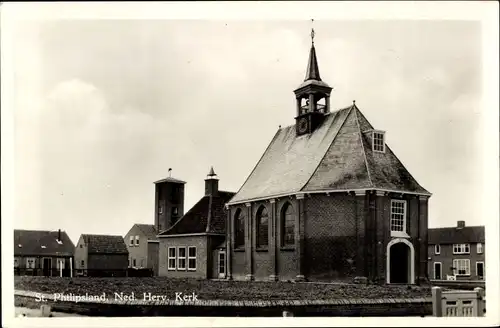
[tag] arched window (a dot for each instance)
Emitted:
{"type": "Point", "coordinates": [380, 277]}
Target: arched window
{"type": "Point", "coordinates": [287, 226]}
{"type": "Point", "coordinates": [239, 230]}
{"type": "Point", "coordinates": [262, 228]}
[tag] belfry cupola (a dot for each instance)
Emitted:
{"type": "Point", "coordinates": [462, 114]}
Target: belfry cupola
{"type": "Point", "coordinates": [313, 96]}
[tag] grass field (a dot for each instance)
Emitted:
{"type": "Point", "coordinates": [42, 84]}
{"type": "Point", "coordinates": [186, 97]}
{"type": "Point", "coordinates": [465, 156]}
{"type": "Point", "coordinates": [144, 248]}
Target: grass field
{"type": "Point", "coordinates": [211, 290]}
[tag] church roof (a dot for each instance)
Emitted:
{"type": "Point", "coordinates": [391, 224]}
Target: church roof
{"type": "Point", "coordinates": [207, 215]}
{"type": "Point", "coordinates": [336, 156]}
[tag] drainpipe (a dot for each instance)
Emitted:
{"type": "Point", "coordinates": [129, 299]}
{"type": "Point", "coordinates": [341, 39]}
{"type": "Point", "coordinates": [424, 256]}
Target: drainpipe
{"type": "Point", "coordinates": [71, 267]}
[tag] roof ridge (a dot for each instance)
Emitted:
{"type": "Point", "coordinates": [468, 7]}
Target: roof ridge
{"type": "Point", "coordinates": [256, 164]}
{"type": "Point", "coordinates": [326, 152]}
{"type": "Point", "coordinates": [209, 216]}
{"type": "Point", "coordinates": [356, 110]}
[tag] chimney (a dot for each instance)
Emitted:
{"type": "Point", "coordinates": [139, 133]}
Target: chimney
{"type": "Point", "coordinates": [59, 235]}
{"type": "Point", "coordinates": [460, 224]}
{"type": "Point", "coordinates": [211, 183]}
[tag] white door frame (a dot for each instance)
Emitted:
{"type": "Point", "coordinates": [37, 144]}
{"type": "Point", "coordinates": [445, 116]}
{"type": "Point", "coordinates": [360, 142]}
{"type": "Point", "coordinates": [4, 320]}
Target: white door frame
{"type": "Point", "coordinates": [440, 270]}
{"type": "Point", "coordinates": [219, 274]}
{"type": "Point", "coordinates": [412, 259]}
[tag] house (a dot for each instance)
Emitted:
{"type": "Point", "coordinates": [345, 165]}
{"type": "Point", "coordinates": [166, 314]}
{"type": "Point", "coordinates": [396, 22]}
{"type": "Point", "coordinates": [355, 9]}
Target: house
{"type": "Point", "coordinates": [457, 253]}
{"type": "Point", "coordinates": [194, 247]}
{"type": "Point", "coordinates": [328, 200]}
{"type": "Point", "coordinates": [41, 252]}
{"type": "Point", "coordinates": [101, 255]}
{"type": "Point", "coordinates": [142, 246]}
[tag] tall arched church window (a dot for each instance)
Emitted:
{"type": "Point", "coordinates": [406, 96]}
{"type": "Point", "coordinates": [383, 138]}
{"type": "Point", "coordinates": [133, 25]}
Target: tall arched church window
{"type": "Point", "coordinates": [239, 230]}
{"type": "Point", "coordinates": [262, 228]}
{"type": "Point", "coordinates": [287, 226]}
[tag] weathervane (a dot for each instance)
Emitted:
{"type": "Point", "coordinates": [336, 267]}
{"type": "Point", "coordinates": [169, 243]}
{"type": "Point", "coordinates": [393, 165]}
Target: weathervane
{"type": "Point", "coordinates": [312, 31]}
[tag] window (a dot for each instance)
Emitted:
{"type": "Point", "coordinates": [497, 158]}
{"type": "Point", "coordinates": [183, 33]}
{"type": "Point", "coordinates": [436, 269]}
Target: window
{"type": "Point", "coordinates": [142, 263]}
{"type": "Point", "coordinates": [480, 270]}
{"type": "Point", "coordinates": [134, 263]}
{"type": "Point", "coordinates": [192, 258]}
{"type": "Point", "coordinates": [398, 217]}
{"type": "Point", "coordinates": [287, 226]}
{"type": "Point", "coordinates": [479, 248]}
{"type": "Point", "coordinates": [378, 141]}
{"type": "Point", "coordinates": [30, 263]}
{"type": "Point", "coordinates": [239, 230]}
{"type": "Point", "coordinates": [16, 263]}
{"type": "Point", "coordinates": [131, 241]}
{"type": "Point", "coordinates": [461, 267]}
{"type": "Point", "coordinates": [171, 258]}
{"type": "Point", "coordinates": [83, 263]}
{"type": "Point", "coordinates": [181, 258]}
{"type": "Point", "coordinates": [461, 249]}
{"type": "Point", "coordinates": [222, 264]}
{"type": "Point", "coordinates": [437, 249]}
{"type": "Point", "coordinates": [160, 209]}
{"type": "Point", "coordinates": [136, 240]}
{"type": "Point", "coordinates": [175, 211]}
{"type": "Point", "coordinates": [262, 228]}
{"type": "Point", "coordinates": [81, 245]}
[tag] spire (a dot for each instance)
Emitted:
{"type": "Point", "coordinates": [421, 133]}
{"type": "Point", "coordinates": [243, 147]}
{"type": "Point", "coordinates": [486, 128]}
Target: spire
{"type": "Point", "coordinates": [312, 72]}
{"type": "Point", "coordinates": [212, 172]}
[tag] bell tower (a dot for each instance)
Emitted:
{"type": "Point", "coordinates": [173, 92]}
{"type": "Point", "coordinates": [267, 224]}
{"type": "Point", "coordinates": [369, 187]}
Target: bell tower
{"type": "Point", "coordinates": [313, 96]}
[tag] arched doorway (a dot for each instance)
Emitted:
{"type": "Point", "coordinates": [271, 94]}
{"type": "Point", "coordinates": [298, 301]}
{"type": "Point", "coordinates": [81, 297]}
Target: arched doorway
{"type": "Point", "coordinates": [400, 262]}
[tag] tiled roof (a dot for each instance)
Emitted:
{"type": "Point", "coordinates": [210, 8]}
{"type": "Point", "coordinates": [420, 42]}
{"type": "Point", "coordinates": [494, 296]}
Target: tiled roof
{"type": "Point", "coordinates": [105, 244]}
{"type": "Point", "coordinates": [42, 242]}
{"type": "Point", "coordinates": [453, 235]}
{"type": "Point", "coordinates": [207, 215]}
{"type": "Point", "coordinates": [149, 230]}
{"type": "Point", "coordinates": [170, 180]}
{"type": "Point", "coordinates": [336, 156]}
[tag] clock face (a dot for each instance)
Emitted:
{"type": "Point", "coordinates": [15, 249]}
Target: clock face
{"type": "Point", "coordinates": [303, 124]}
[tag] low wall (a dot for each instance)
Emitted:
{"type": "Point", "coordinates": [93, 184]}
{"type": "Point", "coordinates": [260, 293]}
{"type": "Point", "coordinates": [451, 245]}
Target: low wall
{"type": "Point", "coordinates": [459, 284]}
{"type": "Point", "coordinates": [218, 308]}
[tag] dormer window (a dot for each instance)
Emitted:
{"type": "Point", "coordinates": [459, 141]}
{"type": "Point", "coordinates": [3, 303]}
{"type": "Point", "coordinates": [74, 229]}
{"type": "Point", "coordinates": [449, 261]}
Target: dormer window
{"type": "Point", "coordinates": [20, 246]}
{"type": "Point", "coordinates": [43, 246]}
{"type": "Point", "coordinates": [59, 241]}
{"type": "Point", "coordinates": [378, 141]}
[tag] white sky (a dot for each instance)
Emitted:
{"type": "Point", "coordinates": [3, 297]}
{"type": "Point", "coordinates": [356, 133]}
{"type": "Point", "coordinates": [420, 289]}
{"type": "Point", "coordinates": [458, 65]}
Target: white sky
{"type": "Point", "coordinates": [104, 107]}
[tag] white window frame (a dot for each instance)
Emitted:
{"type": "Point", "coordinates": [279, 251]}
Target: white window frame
{"type": "Point", "coordinates": [28, 261]}
{"type": "Point", "coordinates": [179, 258]}
{"type": "Point", "coordinates": [441, 271]}
{"type": "Point", "coordinates": [192, 258]}
{"type": "Point", "coordinates": [221, 274]}
{"type": "Point", "coordinates": [484, 271]}
{"type": "Point", "coordinates": [16, 262]}
{"type": "Point", "coordinates": [457, 267]}
{"type": "Point", "coordinates": [375, 149]}
{"type": "Point", "coordinates": [174, 258]}
{"type": "Point", "coordinates": [137, 240]}
{"type": "Point", "coordinates": [479, 248]}
{"type": "Point", "coordinates": [461, 248]}
{"type": "Point", "coordinates": [131, 243]}
{"type": "Point", "coordinates": [437, 249]}
{"type": "Point", "coordinates": [397, 233]}
{"type": "Point", "coordinates": [160, 209]}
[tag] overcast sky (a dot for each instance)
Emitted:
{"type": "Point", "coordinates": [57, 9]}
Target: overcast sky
{"type": "Point", "coordinates": [104, 108]}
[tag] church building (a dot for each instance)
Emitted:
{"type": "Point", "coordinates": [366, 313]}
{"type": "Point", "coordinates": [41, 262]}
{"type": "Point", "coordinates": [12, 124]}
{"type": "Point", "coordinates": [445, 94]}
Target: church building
{"type": "Point", "coordinates": [328, 200]}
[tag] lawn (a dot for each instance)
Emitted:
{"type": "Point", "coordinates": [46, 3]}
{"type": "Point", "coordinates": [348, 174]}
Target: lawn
{"type": "Point", "coordinates": [211, 290]}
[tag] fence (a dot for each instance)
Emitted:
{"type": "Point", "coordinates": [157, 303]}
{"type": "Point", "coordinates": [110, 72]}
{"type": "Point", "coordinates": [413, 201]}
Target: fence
{"type": "Point", "coordinates": [458, 303]}
{"type": "Point", "coordinates": [42, 272]}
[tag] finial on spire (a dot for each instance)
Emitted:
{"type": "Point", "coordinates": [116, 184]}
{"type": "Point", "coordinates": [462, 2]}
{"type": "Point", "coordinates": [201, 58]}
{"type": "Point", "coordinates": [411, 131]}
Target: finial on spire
{"type": "Point", "coordinates": [170, 172]}
{"type": "Point", "coordinates": [212, 172]}
{"type": "Point", "coordinates": [312, 32]}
